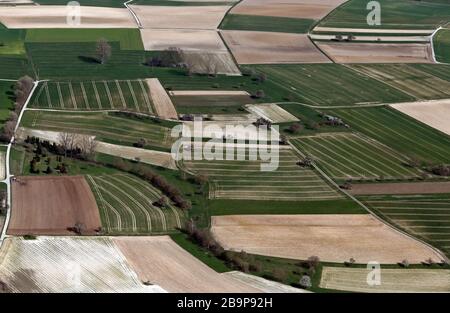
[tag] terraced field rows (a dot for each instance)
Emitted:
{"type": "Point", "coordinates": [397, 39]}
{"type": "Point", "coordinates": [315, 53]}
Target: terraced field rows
{"type": "Point", "coordinates": [409, 79]}
{"type": "Point", "coordinates": [424, 216]}
{"type": "Point", "coordinates": [351, 156]}
{"type": "Point", "coordinates": [105, 126]}
{"type": "Point", "coordinates": [245, 180]}
{"type": "Point", "coordinates": [392, 280]}
{"type": "Point", "coordinates": [126, 205]}
{"type": "Point", "coordinates": [128, 95]}
{"type": "Point", "coordinates": [399, 132]}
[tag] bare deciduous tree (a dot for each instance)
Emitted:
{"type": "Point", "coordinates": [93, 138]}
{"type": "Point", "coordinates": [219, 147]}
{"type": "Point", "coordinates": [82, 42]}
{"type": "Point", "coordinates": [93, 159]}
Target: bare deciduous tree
{"type": "Point", "coordinates": [88, 144]}
{"type": "Point", "coordinates": [67, 141]}
{"type": "Point", "coordinates": [103, 50]}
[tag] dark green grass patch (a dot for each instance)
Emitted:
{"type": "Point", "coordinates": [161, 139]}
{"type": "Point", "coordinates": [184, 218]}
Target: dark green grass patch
{"type": "Point", "coordinates": [232, 207]}
{"type": "Point", "coordinates": [6, 100]}
{"type": "Point", "coordinates": [441, 43]}
{"type": "Point", "coordinates": [129, 39]}
{"type": "Point", "coordinates": [11, 42]}
{"type": "Point", "coordinates": [14, 67]}
{"type": "Point", "coordinates": [397, 14]}
{"type": "Point", "coordinates": [400, 132]}
{"type": "Point", "coordinates": [266, 23]}
{"type": "Point", "coordinates": [329, 84]}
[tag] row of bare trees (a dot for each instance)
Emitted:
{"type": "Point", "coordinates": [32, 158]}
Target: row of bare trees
{"type": "Point", "coordinates": [71, 142]}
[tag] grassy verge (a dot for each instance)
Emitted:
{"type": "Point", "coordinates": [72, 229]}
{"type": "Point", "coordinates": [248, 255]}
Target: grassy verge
{"type": "Point", "coordinates": [266, 23]}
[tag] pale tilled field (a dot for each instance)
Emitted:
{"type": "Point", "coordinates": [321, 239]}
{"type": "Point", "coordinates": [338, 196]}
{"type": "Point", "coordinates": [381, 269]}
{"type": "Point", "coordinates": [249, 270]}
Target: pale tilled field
{"type": "Point", "coordinates": [271, 112]}
{"type": "Point", "coordinates": [2, 165]}
{"type": "Point", "coordinates": [245, 180]}
{"type": "Point", "coordinates": [126, 205]}
{"type": "Point", "coordinates": [67, 265]}
{"type": "Point", "coordinates": [392, 280]}
{"type": "Point", "coordinates": [331, 237]}
{"type": "Point", "coordinates": [352, 156]}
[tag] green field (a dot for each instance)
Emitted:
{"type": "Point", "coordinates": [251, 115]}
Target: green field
{"type": "Point", "coordinates": [417, 81]}
{"type": "Point", "coordinates": [244, 179]}
{"type": "Point", "coordinates": [11, 42]}
{"type": "Point", "coordinates": [400, 132]}
{"type": "Point", "coordinates": [266, 23]}
{"type": "Point", "coordinates": [126, 205]}
{"type": "Point", "coordinates": [352, 156]}
{"type": "Point", "coordinates": [14, 67]}
{"type": "Point", "coordinates": [128, 38]}
{"type": "Point", "coordinates": [330, 84]}
{"type": "Point", "coordinates": [6, 100]}
{"type": "Point", "coordinates": [423, 216]}
{"type": "Point", "coordinates": [396, 14]}
{"type": "Point", "coordinates": [441, 43]}
{"type": "Point", "coordinates": [128, 95]}
{"type": "Point", "coordinates": [213, 104]}
{"type": "Point", "coordinates": [108, 127]}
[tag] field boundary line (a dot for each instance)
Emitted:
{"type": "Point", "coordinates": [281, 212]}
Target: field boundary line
{"type": "Point", "coordinates": [47, 92]}
{"type": "Point", "coordinates": [145, 95]}
{"type": "Point", "coordinates": [97, 96]}
{"type": "Point", "coordinates": [108, 92]}
{"type": "Point", "coordinates": [61, 100]}
{"type": "Point", "coordinates": [124, 104]}
{"type": "Point", "coordinates": [383, 221]}
{"type": "Point", "coordinates": [433, 54]}
{"type": "Point", "coordinates": [133, 96]}
{"type": "Point", "coordinates": [72, 95]}
{"type": "Point", "coordinates": [85, 96]}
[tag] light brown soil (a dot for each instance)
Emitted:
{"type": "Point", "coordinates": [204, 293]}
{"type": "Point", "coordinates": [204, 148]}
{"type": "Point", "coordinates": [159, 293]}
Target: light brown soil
{"type": "Point", "coordinates": [400, 188]}
{"type": "Point", "coordinates": [371, 30]}
{"type": "Point", "coordinates": [249, 47]}
{"type": "Point", "coordinates": [333, 238]}
{"type": "Point", "coordinates": [55, 16]}
{"type": "Point", "coordinates": [161, 100]}
{"type": "Point", "coordinates": [161, 261]}
{"type": "Point", "coordinates": [272, 112]}
{"type": "Point", "coordinates": [187, 17]}
{"type": "Point", "coordinates": [377, 52]}
{"type": "Point", "coordinates": [50, 205]}
{"type": "Point", "coordinates": [435, 113]}
{"type": "Point", "coordinates": [208, 93]}
{"type": "Point", "coordinates": [287, 8]}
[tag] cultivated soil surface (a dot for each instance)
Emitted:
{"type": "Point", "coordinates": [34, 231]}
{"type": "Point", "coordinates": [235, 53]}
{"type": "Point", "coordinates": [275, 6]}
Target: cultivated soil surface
{"type": "Point", "coordinates": [271, 112]}
{"type": "Point", "coordinates": [249, 47]}
{"type": "Point", "coordinates": [55, 16]}
{"type": "Point", "coordinates": [159, 260]}
{"type": "Point", "coordinates": [392, 280]}
{"type": "Point", "coordinates": [287, 8]}
{"type": "Point", "coordinates": [187, 17]}
{"type": "Point", "coordinates": [51, 205]}
{"type": "Point", "coordinates": [161, 100]}
{"type": "Point", "coordinates": [434, 113]}
{"type": "Point", "coordinates": [333, 238]}
{"type": "Point", "coordinates": [377, 52]}
{"type": "Point", "coordinates": [400, 188]}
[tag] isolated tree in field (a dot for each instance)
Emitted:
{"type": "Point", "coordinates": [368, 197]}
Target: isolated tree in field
{"type": "Point", "coordinates": [88, 144]}
{"type": "Point", "coordinates": [79, 228]}
{"type": "Point", "coordinates": [295, 128]}
{"type": "Point", "coordinates": [103, 50]}
{"type": "Point", "coordinates": [305, 282]}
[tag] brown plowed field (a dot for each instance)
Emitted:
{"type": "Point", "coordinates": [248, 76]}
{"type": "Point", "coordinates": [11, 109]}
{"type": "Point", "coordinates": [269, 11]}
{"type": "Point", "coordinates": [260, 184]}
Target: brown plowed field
{"type": "Point", "coordinates": [287, 8]}
{"type": "Point", "coordinates": [250, 47]}
{"type": "Point", "coordinates": [50, 205]}
{"type": "Point", "coordinates": [400, 188]}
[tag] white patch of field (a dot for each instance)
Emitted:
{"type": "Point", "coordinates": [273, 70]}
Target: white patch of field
{"type": "Point", "coordinates": [434, 113]}
{"type": "Point", "coordinates": [371, 30]}
{"type": "Point", "coordinates": [15, 2]}
{"type": "Point", "coordinates": [240, 129]}
{"type": "Point", "coordinates": [271, 112]}
{"type": "Point", "coordinates": [2, 165]}
{"type": "Point", "coordinates": [265, 285]}
{"type": "Point", "coordinates": [392, 280]}
{"type": "Point", "coordinates": [158, 158]}
{"type": "Point", "coordinates": [211, 62]}
{"type": "Point", "coordinates": [66, 265]}
{"type": "Point", "coordinates": [163, 105]}
{"type": "Point", "coordinates": [310, 9]}
{"type": "Point", "coordinates": [55, 16]}
{"type": "Point", "coordinates": [159, 260]}
{"type": "Point", "coordinates": [208, 93]}
{"type": "Point", "coordinates": [377, 52]}
{"type": "Point", "coordinates": [251, 47]}
{"type": "Point", "coordinates": [182, 17]}
{"type": "Point", "coordinates": [333, 238]}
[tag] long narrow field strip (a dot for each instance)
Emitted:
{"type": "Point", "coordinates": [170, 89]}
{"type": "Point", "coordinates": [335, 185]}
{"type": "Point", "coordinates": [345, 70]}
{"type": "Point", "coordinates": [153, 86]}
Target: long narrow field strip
{"type": "Point", "coordinates": [107, 127]}
{"type": "Point", "coordinates": [129, 95]}
{"type": "Point", "coordinates": [330, 84]}
{"type": "Point", "coordinates": [401, 188]}
{"type": "Point", "coordinates": [2, 165]}
{"type": "Point", "coordinates": [164, 107]}
{"type": "Point", "coordinates": [392, 280]}
{"type": "Point", "coordinates": [399, 132]}
{"type": "Point", "coordinates": [245, 180]}
{"type": "Point", "coordinates": [408, 78]}
{"type": "Point", "coordinates": [271, 112]}
{"type": "Point", "coordinates": [352, 156]}
{"type": "Point", "coordinates": [126, 205]}
{"type": "Point", "coordinates": [424, 216]}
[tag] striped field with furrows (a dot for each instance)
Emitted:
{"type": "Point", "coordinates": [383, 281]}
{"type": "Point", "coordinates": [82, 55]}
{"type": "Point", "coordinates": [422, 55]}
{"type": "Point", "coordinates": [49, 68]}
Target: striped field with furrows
{"type": "Point", "coordinates": [245, 180]}
{"type": "Point", "coordinates": [353, 156]}
{"type": "Point", "coordinates": [423, 216]}
{"type": "Point", "coordinates": [126, 206]}
{"type": "Point", "coordinates": [126, 95]}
